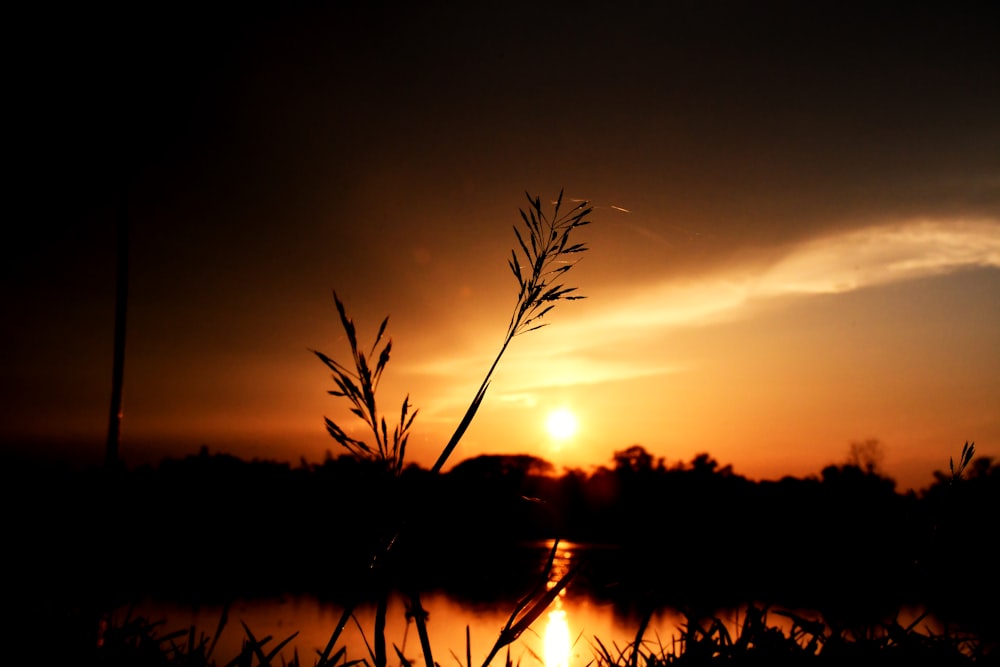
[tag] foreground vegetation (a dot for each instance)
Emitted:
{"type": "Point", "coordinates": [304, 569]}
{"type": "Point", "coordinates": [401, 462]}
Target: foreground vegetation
{"type": "Point", "coordinates": [210, 528]}
{"type": "Point", "coordinates": [140, 642]}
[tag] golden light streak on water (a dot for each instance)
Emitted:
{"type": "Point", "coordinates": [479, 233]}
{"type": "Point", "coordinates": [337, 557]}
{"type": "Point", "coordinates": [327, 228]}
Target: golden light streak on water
{"type": "Point", "coordinates": [557, 643]}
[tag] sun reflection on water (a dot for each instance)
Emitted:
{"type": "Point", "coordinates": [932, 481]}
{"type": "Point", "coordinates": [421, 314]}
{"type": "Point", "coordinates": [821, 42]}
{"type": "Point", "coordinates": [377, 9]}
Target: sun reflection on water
{"type": "Point", "coordinates": [557, 644]}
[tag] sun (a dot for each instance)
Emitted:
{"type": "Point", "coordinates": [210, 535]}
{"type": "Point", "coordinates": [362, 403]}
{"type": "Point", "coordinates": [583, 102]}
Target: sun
{"type": "Point", "coordinates": [561, 424]}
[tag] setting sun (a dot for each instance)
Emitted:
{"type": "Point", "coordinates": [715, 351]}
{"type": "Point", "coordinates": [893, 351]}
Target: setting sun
{"type": "Point", "coordinates": [561, 424]}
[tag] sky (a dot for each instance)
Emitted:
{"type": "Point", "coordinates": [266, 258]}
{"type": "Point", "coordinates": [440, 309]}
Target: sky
{"type": "Point", "coordinates": [795, 242]}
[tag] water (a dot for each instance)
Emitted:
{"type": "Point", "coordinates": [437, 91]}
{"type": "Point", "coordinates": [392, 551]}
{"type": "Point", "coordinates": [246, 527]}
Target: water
{"type": "Point", "coordinates": [564, 636]}
{"type": "Point", "coordinates": [568, 634]}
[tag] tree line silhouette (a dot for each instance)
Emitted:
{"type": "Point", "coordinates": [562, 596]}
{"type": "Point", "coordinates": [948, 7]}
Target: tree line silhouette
{"type": "Point", "coordinates": [694, 534]}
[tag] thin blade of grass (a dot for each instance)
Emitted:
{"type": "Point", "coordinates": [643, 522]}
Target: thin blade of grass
{"type": "Point", "coordinates": [256, 646]}
{"type": "Point", "coordinates": [402, 659]}
{"type": "Point", "coordinates": [420, 618]}
{"type": "Point", "coordinates": [281, 645]}
{"type": "Point", "coordinates": [460, 431]}
{"type": "Point", "coordinates": [345, 616]}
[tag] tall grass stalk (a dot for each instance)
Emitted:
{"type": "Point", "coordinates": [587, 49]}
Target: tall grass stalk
{"type": "Point", "coordinates": [540, 261]}
{"type": "Point", "coordinates": [358, 386]}
{"type": "Point", "coordinates": [548, 256]}
{"type": "Point", "coordinates": [531, 606]}
{"type": "Point", "coordinates": [968, 451]}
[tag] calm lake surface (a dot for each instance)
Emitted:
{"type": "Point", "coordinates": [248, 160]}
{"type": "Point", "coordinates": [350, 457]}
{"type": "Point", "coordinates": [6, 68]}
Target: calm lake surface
{"type": "Point", "coordinates": [564, 636]}
{"type": "Point", "coordinates": [570, 624]}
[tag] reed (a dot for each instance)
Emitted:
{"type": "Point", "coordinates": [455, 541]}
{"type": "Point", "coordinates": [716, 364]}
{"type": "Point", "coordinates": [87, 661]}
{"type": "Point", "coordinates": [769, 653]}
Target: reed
{"type": "Point", "coordinates": [548, 255]}
{"type": "Point", "coordinates": [544, 254]}
{"type": "Point", "coordinates": [358, 386]}
{"type": "Point", "coordinates": [968, 451]}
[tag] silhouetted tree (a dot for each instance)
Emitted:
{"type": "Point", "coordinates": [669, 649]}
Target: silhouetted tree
{"type": "Point", "coordinates": [703, 465]}
{"type": "Point", "coordinates": [634, 459]}
{"type": "Point", "coordinates": [867, 455]}
{"type": "Point", "coordinates": [509, 466]}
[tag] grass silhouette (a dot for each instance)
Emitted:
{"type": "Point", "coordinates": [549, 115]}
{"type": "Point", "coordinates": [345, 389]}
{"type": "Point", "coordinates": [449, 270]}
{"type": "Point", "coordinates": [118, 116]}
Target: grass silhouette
{"type": "Point", "coordinates": [546, 255]}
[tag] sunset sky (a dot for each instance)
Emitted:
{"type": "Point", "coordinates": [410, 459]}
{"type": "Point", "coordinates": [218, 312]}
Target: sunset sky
{"type": "Point", "coordinates": [795, 240]}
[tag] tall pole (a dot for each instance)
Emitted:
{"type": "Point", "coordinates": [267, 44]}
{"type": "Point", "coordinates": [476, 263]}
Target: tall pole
{"type": "Point", "coordinates": [118, 367]}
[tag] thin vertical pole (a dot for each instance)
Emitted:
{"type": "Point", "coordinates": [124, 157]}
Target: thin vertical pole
{"type": "Point", "coordinates": [118, 367]}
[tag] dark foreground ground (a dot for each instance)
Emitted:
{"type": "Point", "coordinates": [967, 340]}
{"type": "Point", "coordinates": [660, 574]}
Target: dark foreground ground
{"type": "Point", "coordinates": [695, 536]}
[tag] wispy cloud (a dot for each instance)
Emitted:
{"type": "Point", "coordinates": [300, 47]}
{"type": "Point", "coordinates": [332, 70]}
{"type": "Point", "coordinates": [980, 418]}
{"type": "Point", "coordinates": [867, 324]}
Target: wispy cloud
{"type": "Point", "coordinates": [838, 263]}
{"type": "Point", "coordinates": [522, 400]}
{"type": "Point", "coordinates": [833, 264]}
{"type": "Point", "coordinates": [881, 255]}
{"type": "Point", "coordinates": [623, 340]}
